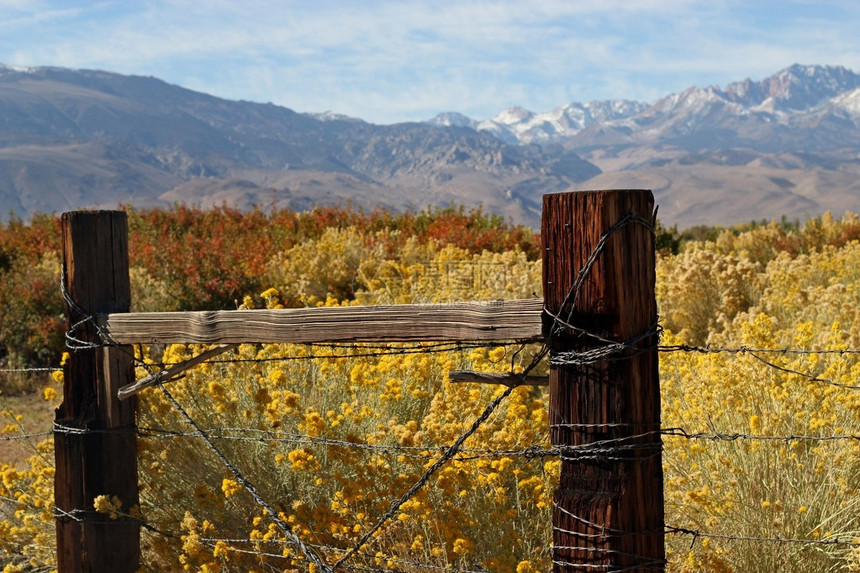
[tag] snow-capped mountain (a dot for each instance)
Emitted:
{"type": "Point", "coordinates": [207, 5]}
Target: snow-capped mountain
{"type": "Point", "coordinates": [763, 115]}
{"type": "Point", "coordinates": [793, 110]}
{"type": "Point", "coordinates": [796, 88]}
{"type": "Point", "coordinates": [788, 144]}
{"type": "Point", "coordinates": [518, 125]}
{"type": "Point", "coordinates": [785, 145]}
{"type": "Point", "coordinates": [4, 69]}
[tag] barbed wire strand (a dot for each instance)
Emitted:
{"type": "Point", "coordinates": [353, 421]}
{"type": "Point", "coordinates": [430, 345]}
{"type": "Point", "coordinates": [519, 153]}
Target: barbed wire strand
{"type": "Point", "coordinates": [395, 507]}
{"type": "Point", "coordinates": [604, 533]}
{"type": "Point", "coordinates": [809, 377]}
{"type": "Point", "coordinates": [418, 485]}
{"type": "Point", "coordinates": [248, 486]}
{"type": "Point", "coordinates": [39, 369]}
{"type": "Point", "coordinates": [654, 565]}
{"type": "Point", "coordinates": [268, 437]}
{"type": "Point", "coordinates": [743, 349]}
{"type": "Point", "coordinates": [22, 437]}
{"type": "Point", "coordinates": [734, 436]}
{"type": "Point", "coordinates": [426, 451]}
{"type": "Point", "coordinates": [387, 350]}
{"type": "Point", "coordinates": [698, 533]}
{"type": "Point", "coordinates": [376, 351]}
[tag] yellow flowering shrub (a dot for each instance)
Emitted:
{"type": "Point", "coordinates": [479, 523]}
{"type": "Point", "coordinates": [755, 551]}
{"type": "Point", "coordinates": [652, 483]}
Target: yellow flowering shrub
{"type": "Point", "coordinates": [758, 482]}
{"type": "Point", "coordinates": [331, 440]}
{"type": "Point", "coordinates": [704, 290]}
{"type": "Point", "coordinates": [27, 538]}
{"type": "Point", "coordinates": [331, 436]}
{"type": "Point", "coordinates": [344, 264]}
{"type": "Point", "coordinates": [334, 443]}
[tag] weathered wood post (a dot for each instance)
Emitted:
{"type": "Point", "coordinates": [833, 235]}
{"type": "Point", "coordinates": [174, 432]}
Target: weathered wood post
{"type": "Point", "coordinates": [604, 410]}
{"type": "Point", "coordinates": [95, 435]}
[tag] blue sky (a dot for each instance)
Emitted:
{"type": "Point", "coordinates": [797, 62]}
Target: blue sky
{"type": "Point", "coordinates": [390, 61]}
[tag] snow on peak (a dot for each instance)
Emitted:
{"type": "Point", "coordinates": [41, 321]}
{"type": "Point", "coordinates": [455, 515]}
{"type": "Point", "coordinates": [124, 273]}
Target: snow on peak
{"type": "Point", "coordinates": [797, 87]}
{"type": "Point", "coordinates": [453, 119]}
{"type": "Point", "coordinates": [524, 126]}
{"type": "Point", "coordinates": [332, 116]}
{"type": "Point", "coordinates": [848, 102]}
{"type": "Point", "coordinates": [4, 69]}
{"type": "Point", "coordinates": [514, 115]}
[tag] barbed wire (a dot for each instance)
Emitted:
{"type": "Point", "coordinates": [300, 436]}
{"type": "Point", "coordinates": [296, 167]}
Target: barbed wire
{"type": "Point", "coordinates": [734, 436]}
{"type": "Point", "coordinates": [743, 349]}
{"type": "Point", "coordinates": [433, 452]}
{"type": "Point", "coordinates": [614, 449]}
{"type": "Point", "coordinates": [425, 452]}
{"type": "Point", "coordinates": [248, 486]}
{"type": "Point", "coordinates": [311, 556]}
{"type": "Point", "coordinates": [602, 534]}
{"type": "Point", "coordinates": [86, 516]}
{"type": "Point", "coordinates": [78, 317]}
{"type": "Point", "coordinates": [756, 352]}
{"type": "Point", "coordinates": [697, 533]}
{"type": "Point", "coordinates": [39, 369]}
{"type": "Point", "coordinates": [26, 436]}
{"type": "Point", "coordinates": [395, 507]}
{"type": "Point", "coordinates": [366, 351]}
{"type": "Point", "coordinates": [654, 565]}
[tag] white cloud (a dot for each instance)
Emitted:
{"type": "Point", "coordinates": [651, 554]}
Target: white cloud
{"type": "Point", "coordinates": [387, 61]}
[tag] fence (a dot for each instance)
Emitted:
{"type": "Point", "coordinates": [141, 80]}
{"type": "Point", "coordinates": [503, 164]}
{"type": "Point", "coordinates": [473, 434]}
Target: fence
{"type": "Point", "coordinates": [772, 359]}
{"type": "Point", "coordinates": [604, 414]}
{"type": "Point", "coordinates": [592, 361]}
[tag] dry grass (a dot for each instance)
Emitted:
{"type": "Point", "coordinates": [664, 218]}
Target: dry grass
{"type": "Point", "coordinates": [37, 415]}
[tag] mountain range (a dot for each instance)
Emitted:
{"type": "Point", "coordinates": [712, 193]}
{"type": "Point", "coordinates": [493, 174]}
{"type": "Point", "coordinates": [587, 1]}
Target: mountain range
{"type": "Point", "coordinates": [786, 145]}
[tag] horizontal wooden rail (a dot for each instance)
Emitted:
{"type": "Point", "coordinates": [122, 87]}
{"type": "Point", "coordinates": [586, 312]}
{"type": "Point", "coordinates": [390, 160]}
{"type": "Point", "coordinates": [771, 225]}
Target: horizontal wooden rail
{"type": "Point", "coordinates": [479, 321]}
{"type": "Point", "coordinates": [493, 378]}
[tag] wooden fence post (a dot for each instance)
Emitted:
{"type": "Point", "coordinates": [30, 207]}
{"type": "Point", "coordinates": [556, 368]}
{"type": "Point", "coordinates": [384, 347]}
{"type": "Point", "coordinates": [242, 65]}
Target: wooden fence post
{"type": "Point", "coordinates": [95, 432]}
{"type": "Point", "coordinates": [608, 508]}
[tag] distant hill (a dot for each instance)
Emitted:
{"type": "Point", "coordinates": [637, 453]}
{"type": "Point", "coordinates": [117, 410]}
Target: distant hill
{"type": "Point", "coordinates": [786, 145]}
{"type": "Point", "coordinates": [74, 138]}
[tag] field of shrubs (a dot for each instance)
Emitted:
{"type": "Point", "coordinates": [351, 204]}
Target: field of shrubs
{"type": "Point", "coordinates": [763, 461]}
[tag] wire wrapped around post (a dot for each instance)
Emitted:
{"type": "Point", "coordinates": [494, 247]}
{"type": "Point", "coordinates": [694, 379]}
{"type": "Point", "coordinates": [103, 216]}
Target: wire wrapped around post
{"type": "Point", "coordinates": [95, 433]}
{"type": "Point", "coordinates": [600, 322]}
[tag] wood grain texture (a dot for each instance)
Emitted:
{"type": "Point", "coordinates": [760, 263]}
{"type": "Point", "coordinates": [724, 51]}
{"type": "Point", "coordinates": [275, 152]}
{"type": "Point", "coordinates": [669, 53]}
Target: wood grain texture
{"type": "Point", "coordinates": [479, 321]}
{"type": "Point", "coordinates": [95, 436]}
{"type": "Point", "coordinates": [466, 376]}
{"type": "Point", "coordinates": [608, 512]}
